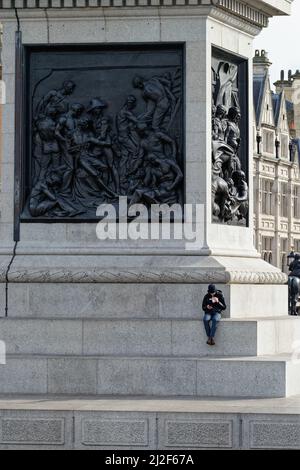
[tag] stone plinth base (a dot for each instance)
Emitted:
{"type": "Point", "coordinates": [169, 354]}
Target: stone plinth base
{"type": "Point", "coordinates": [136, 286]}
{"type": "Point", "coordinates": [148, 424]}
{"type": "Point", "coordinates": [250, 377]}
{"type": "Point", "coordinates": [170, 337]}
{"type": "Point", "coordinates": [132, 325]}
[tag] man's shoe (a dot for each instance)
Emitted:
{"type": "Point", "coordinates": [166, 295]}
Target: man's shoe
{"type": "Point", "coordinates": [208, 341]}
{"type": "Point", "coordinates": [212, 342]}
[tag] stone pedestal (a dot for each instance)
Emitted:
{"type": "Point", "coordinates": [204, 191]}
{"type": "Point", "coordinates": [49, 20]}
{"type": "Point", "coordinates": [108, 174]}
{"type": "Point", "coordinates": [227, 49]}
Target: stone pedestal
{"type": "Point", "coordinates": [119, 318]}
{"type": "Point", "coordinates": [226, 254]}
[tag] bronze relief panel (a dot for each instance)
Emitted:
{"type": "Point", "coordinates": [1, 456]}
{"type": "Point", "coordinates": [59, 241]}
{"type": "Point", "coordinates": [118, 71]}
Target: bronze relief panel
{"type": "Point", "coordinates": [102, 123]}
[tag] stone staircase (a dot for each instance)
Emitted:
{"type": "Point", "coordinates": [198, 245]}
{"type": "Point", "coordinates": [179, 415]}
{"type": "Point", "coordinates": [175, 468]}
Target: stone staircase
{"type": "Point", "coordinates": [79, 376]}
{"type": "Point", "coordinates": [149, 384]}
{"type": "Point", "coordinates": [99, 357]}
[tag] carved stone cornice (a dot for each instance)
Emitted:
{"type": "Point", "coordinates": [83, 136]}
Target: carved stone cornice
{"type": "Point", "coordinates": [242, 10]}
{"type": "Point", "coordinates": [248, 277]}
{"type": "Point", "coordinates": [245, 11]}
{"type": "Point", "coordinates": [235, 21]}
{"type": "Point", "coordinates": [137, 276]}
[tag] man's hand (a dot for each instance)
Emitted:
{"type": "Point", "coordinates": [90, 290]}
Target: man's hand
{"type": "Point", "coordinates": [209, 307]}
{"type": "Point", "coordinates": [215, 300]}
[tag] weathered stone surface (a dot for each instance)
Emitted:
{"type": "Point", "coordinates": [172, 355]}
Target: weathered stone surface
{"type": "Point", "coordinates": [146, 376]}
{"type": "Point", "coordinates": [247, 302]}
{"type": "Point", "coordinates": [35, 429]}
{"type": "Point", "coordinates": [189, 338]}
{"type": "Point", "coordinates": [41, 336]}
{"type": "Point", "coordinates": [8, 118]}
{"type": "Point", "coordinates": [32, 431]}
{"type": "Point", "coordinates": [195, 433]}
{"type": "Point", "coordinates": [242, 378]}
{"type": "Point", "coordinates": [2, 300]}
{"type": "Point", "coordinates": [132, 300]}
{"type": "Point", "coordinates": [133, 31]}
{"type": "Point", "coordinates": [115, 430]}
{"type": "Point", "coordinates": [104, 432]}
{"type": "Point", "coordinates": [43, 234]}
{"type": "Point", "coordinates": [128, 337]}
{"type": "Point", "coordinates": [104, 300]}
{"type": "Point", "coordinates": [267, 431]}
{"type": "Point", "coordinates": [72, 376]}
{"type": "Point", "coordinates": [293, 373]}
{"type": "Point", "coordinates": [24, 375]}
{"type": "Point", "coordinates": [63, 32]}
{"type": "Point", "coordinates": [145, 423]}
{"type": "Point", "coordinates": [162, 376]}
{"type": "Point", "coordinates": [275, 435]}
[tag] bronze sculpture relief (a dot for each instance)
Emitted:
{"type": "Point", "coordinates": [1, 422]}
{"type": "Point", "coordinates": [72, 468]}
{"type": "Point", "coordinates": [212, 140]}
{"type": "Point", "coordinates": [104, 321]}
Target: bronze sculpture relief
{"type": "Point", "coordinates": [229, 183]}
{"type": "Point", "coordinates": [87, 150]}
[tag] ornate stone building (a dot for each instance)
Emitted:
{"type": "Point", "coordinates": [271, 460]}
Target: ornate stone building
{"type": "Point", "coordinates": [276, 166]}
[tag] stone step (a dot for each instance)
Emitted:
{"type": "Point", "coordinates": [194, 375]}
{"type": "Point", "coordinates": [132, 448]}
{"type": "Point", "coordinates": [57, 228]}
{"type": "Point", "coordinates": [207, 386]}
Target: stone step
{"type": "Point", "coordinates": [267, 376]}
{"type": "Point", "coordinates": [148, 423]}
{"type": "Point", "coordinates": [159, 300]}
{"type": "Point", "coordinates": [149, 337]}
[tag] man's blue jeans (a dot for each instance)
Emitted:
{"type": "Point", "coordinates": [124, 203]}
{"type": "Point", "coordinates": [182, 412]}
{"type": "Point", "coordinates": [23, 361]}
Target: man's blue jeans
{"type": "Point", "coordinates": [211, 321]}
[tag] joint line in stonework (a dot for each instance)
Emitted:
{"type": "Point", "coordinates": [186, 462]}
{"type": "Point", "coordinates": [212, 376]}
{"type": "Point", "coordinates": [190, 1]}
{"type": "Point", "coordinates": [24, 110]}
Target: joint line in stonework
{"type": "Point", "coordinates": [18, 19]}
{"type": "Point", "coordinates": [48, 26]}
{"type": "Point", "coordinates": [7, 279]}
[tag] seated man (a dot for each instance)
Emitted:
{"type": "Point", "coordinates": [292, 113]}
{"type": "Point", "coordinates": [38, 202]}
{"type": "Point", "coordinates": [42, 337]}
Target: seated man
{"type": "Point", "coordinates": [213, 304]}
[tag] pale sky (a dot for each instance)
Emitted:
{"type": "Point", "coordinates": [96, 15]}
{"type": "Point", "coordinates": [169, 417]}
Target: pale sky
{"type": "Point", "coordinates": [282, 42]}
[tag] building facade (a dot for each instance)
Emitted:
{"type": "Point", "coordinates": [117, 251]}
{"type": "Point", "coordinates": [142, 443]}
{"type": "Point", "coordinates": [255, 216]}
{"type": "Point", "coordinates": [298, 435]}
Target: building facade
{"type": "Point", "coordinates": [276, 164]}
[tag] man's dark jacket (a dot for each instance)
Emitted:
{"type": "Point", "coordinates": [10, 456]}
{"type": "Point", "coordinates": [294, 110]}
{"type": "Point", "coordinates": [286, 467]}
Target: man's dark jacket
{"type": "Point", "coordinates": [295, 268]}
{"type": "Point", "coordinates": [217, 307]}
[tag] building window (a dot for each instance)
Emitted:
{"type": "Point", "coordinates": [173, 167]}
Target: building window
{"type": "Point", "coordinates": [296, 201]}
{"type": "Point", "coordinates": [284, 200]}
{"type": "Point", "coordinates": [283, 253]}
{"type": "Point", "coordinates": [267, 196]}
{"type": "Point", "coordinates": [267, 249]}
{"type": "Point", "coordinates": [284, 146]}
{"type": "Point", "coordinates": [268, 141]}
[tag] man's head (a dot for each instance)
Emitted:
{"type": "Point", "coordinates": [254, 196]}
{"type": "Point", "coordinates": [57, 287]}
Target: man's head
{"type": "Point", "coordinates": [68, 87]}
{"type": "Point", "coordinates": [96, 106]}
{"type": "Point", "coordinates": [84, 123]}
{"type": "Point", "coordinates": [131, 102]}
{"type": "Point", "coordinates": [212, 289]}
{"type": "Point", "coordinates": [234, 115]}
{"type": "Point", "coordinates": [221, 111]}
{"type": "Point", "coordinates": [51, 111]}
{"type": "Point", "coordinates": [77, 109]}
{"type": "Point", "coordinates": [238, 177]}
{"type": "Point", "coordinates": [138, 82]}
